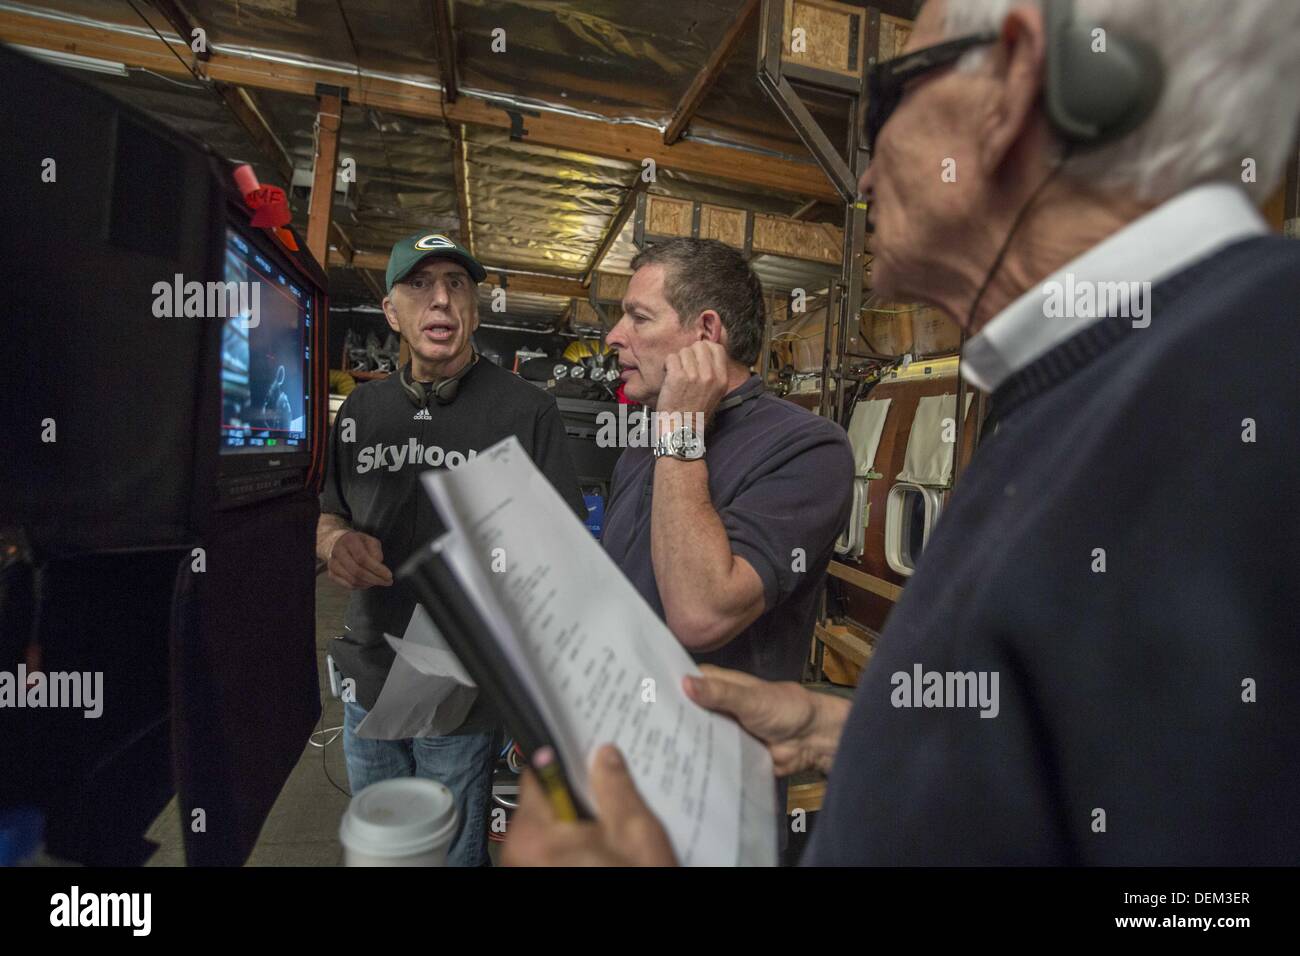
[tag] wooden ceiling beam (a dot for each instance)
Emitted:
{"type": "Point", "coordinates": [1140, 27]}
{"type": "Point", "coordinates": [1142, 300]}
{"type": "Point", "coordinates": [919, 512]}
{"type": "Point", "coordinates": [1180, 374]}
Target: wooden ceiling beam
{"type": "Point", "coordinates": [445, 40]}
{"type": "Point", "coordinates": [182, 24]}
{"type": "Point", "coordinates": [360, 259]}
{"type": "Point", "coordinates": [627, 142]}
{"type": "Point", "coordinates": [248, 114]}
{"type": "Point", "coordinates": [709, 73]}
{"type": "Point", "coordinates": [563, 286]}
{"type": "Point", "coordinates": [460, 167]}
{"type": "Point", "coordinates": [635, 144]}
{"type": "Point", "coordinates": [625, 210]}
{"type": "Point", "coordinates": [329, 120]}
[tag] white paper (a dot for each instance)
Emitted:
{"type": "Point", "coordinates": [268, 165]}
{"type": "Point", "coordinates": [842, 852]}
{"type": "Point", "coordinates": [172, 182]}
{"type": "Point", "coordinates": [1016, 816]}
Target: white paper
{"type": "Point", "coordinates": [599, 663]}
{"type": "Point", "coordinates": [427, 692]}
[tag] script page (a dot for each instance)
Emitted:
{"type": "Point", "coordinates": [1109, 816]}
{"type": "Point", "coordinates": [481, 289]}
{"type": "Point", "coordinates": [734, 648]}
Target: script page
{"type": "Point", "coordinates": [602, 666]}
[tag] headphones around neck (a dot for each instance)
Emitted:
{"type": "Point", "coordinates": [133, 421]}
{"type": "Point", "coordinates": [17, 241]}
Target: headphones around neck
{"type": "Point", "coordinates": [443, 392]}
{"type": "Point", "coordinates": [1099, 84]}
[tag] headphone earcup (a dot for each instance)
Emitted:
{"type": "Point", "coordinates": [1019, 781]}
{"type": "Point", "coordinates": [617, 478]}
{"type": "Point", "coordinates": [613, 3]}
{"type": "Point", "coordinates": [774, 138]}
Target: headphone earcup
{"type": "Point", "coordinates": [414, 392]}
{"type": "Point", "coordinates": [444, 393]}
{"type": "Point", "coordinates": [1095, 96]}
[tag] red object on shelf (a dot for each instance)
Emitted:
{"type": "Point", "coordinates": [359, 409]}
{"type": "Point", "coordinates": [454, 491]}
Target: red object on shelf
{"type": "Point", "coordinates": [246, 179]}
{"type": "Point", "coordinates": [270, 207]}
{"type": "Point", "coordinates": [269, 204]}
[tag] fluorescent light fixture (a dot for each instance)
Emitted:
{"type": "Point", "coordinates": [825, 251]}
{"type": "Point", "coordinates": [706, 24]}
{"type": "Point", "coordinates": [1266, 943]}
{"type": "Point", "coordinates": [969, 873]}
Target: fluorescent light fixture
{"type": "Point", "coordinates": [531, 330]}
{"type": "Point", "coordinates": [73, 61]}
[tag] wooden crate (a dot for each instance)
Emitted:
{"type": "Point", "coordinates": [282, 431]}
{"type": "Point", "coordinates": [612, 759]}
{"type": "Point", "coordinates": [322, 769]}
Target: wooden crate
{"type": "Point", "coordinates": [933, 333]}
{"type": "Point", "coordinates": [611, 286]}
{"type": "Point", "coordinates": [799, 341]}
{"type": "Point", "coordinates": [834, 36]}
{"type": "Point", "coordinates": [795, 239]}
{"type": "Point", "coordinates": [668, 217]}
{"type": "Point", "coordinates": [724, 224]}
{"type": "Point", "coordinates": [887, 329]}
{"type": "Point", "coordinates": [894, 34]}
{"type": "Point", "coordinates": [847, 651]}
{"type": "Point", "coordinates": [587, 316]}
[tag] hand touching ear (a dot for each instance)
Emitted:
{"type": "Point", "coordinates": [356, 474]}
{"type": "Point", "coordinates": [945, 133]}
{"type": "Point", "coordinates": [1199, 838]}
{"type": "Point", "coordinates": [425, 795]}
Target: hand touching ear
{"type": "Point", "coordinates": [695, 379]}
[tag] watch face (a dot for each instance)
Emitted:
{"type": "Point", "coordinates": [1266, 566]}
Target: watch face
{"type": "Point", "coordinates": [686, 444]}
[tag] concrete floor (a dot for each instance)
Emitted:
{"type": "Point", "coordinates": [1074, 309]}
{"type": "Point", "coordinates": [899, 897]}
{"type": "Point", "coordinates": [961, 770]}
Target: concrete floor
{"type": "Point", "coordinates": [302, 829]}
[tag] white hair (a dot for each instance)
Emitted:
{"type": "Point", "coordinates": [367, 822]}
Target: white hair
{"type": "Point", "coordinates": [1231, 90]}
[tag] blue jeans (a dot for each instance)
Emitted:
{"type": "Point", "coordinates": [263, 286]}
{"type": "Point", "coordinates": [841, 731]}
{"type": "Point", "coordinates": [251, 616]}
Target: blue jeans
{"type": "Point", "coordinates": [462, 762]}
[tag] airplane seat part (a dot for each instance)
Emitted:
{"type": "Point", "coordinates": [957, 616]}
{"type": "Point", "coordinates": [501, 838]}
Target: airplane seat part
{"type": "Point", "coordinates": [914, 502]}
{"type": "Point", "coordinates": [865, 428]}
{"type": "Point", "coordinates": [928, 460]}
{"type": "Point", "coordinates": [911, 511]}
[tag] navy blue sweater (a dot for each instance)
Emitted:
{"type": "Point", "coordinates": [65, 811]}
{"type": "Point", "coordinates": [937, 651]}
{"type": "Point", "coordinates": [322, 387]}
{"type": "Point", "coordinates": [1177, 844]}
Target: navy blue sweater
{"type": "Point", "coordinates": [1122, 736]}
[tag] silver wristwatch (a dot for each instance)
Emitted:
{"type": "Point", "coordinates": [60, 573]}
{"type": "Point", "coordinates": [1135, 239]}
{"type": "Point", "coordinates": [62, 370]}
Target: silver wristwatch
{"type": "Point", "coordinates": [681, 443]}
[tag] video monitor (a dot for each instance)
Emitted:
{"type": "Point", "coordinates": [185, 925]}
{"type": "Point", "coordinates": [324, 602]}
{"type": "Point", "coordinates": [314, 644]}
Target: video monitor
{"type": "Point", "coordinates": [265, 354]}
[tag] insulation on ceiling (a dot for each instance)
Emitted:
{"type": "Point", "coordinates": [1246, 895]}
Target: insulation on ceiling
{"type": "Point", "coordinates": [531, 208]}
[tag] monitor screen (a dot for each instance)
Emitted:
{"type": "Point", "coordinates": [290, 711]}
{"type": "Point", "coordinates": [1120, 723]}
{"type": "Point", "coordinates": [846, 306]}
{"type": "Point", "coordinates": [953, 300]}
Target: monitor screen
{"type": "Point", "coordinates": [265, 354]}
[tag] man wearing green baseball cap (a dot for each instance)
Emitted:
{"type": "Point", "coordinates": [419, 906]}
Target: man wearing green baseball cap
{"type": "Point", "coordinates": [439, 410]}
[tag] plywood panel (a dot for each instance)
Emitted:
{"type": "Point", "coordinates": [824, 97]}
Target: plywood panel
{"type": "Point", "coordinates": [668, 217]}
{"type": "Point", "coordinates": [894, 34]}
{"type": "Point", "coordinates": [794, 239]}
{"type": "Point", "coordinates": [724, 224]}
{"type": "Point", "coordinates": [824, 35]}
{"type": "Point", "coordinates": [611, 287]}
{"type": "Point", "coordinates": [586, 316]}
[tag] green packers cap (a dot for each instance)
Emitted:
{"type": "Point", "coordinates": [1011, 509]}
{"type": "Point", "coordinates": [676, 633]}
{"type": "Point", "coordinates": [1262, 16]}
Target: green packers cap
{"type": "Point", "coordinates": [409, 252]}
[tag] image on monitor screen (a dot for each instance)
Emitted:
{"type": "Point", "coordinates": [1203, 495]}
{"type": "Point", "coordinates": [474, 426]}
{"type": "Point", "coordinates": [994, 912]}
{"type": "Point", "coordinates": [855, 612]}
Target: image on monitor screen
{"type": "Point", "coordinates": [265, 354]}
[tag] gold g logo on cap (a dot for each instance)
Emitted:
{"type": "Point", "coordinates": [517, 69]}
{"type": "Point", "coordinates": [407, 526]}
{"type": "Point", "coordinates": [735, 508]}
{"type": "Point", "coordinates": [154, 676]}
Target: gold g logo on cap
{"type": "Point", "coordinates": [426, 243]}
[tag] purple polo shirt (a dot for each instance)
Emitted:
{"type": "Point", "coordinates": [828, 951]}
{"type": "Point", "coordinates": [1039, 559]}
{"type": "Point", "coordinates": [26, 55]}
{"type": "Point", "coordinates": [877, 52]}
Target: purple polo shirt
{"type": "Point", "coordinates": [781, 480]}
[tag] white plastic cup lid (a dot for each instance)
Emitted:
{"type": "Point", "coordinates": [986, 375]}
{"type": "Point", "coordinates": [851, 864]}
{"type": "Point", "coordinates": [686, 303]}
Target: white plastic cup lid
{"type": "Point", "coordinates": [399, 817]}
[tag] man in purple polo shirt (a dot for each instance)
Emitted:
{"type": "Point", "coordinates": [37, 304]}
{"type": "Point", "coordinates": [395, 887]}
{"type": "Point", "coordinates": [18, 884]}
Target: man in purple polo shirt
{"type": "Point", "coordinates": [726, 523]}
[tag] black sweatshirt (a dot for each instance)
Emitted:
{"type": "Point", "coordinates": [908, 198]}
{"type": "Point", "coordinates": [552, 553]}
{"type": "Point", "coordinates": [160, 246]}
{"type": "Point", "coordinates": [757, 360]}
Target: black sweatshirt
{"type": "Point", "coordinates": [1122, 734]}
{"type": "Point", "coordinates": [374, 482]}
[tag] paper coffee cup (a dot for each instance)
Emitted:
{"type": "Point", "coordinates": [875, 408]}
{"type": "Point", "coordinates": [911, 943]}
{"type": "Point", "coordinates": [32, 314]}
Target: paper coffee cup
{"type": "Point", "coordinates": [406, 821]}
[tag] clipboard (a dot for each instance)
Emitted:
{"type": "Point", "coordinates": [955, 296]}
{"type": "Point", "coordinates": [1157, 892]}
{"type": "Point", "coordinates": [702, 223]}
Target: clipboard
{"type": "Point", "coordinates": [436, 587]}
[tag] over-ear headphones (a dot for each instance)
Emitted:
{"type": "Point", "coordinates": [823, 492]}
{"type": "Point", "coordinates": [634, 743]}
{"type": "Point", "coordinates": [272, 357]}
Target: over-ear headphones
{"type": "Point", "coordinates": [1095, 96]}
{"type": "Point", "coordinates": [443, 392]}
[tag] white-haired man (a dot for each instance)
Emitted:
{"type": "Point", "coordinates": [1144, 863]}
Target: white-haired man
{"type": "Point", "coordinates": [1117, 564]}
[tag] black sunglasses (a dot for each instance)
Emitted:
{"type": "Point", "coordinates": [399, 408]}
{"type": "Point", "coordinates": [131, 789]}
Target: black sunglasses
{"type": "Point", "coordinates": [887, 81]}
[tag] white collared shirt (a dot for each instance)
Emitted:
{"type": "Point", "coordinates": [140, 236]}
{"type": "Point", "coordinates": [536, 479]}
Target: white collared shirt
{"type": "Point", "coordinates": [1192, 226]}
